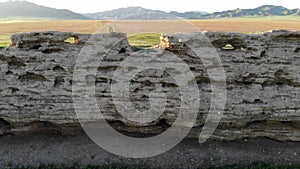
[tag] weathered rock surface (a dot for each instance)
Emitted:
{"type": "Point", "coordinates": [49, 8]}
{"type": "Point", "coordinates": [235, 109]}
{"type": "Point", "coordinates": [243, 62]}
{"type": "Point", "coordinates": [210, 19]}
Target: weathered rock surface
{"type": "Point", "coordinates": [263, 82]}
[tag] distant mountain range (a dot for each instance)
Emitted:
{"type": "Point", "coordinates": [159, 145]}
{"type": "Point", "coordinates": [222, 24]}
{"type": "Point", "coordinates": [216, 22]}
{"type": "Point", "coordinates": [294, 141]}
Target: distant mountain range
{"type": "Point", "coordinates": [265, 10]}
{"type": "Point", "coordinates": [141, 13]}
{"type": "Point", "coordinates": [12, 9]}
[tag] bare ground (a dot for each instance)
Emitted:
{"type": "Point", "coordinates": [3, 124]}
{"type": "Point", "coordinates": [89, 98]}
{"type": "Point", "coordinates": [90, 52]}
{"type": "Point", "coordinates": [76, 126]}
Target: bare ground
{"type": "Point", "coordinates": [50, 147]}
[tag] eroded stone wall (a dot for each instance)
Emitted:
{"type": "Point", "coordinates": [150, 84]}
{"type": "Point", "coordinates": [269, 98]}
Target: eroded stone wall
{"type": "Point", "coordinates": [262, 71]}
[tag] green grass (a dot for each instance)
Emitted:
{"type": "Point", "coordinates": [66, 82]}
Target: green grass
{"type": "Point", "coordinates": [70, 40]}
{"type": "Point", "coordinates": [4, 41]}
{"type": "Point", "coordinates": [106, 28]}
{"type": "Point", "coordinates": [23, 19]}
{"type": "Point", "coordinates": [144, 40]}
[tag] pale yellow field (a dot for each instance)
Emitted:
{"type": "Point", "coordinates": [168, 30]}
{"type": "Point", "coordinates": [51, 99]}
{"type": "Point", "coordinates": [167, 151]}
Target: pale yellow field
{"type": "Point", "coordinates": [249, 25]}
{"type": "Point", "coordinates": [72, 26]}
{"type": "Point", "coordinates": [227, 25]}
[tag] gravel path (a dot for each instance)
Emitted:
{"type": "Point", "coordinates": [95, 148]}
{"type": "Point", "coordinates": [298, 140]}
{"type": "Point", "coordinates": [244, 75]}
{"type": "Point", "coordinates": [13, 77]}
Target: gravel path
{"type": "Point", "coordinates": [50, 147]}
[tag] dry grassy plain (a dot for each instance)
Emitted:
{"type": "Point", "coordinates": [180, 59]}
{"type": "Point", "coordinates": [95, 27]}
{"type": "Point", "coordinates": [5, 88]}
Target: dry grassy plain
{"type": "Point", "coordinates": [228, 25]}
{"type": "Point", "coordinates": [238, 25]}
{"type": "Point", "coordinates": [91, 26]}
{"type": "Point", "coordinates": [247, 26]}
{"type": "Point", "coordinates": [45, 25]}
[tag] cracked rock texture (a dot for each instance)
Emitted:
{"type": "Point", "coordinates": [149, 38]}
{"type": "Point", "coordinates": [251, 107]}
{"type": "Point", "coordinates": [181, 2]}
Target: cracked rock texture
{"type": "Point", "coordinates": [262, 74]}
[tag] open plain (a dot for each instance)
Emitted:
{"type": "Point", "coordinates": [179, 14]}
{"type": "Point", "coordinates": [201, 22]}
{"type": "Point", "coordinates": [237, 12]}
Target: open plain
{"type": "Point", "coordinates": [242, 25]}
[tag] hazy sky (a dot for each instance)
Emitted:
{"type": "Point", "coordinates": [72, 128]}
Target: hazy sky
{"type": "Point", "coordinates": [87, 6]}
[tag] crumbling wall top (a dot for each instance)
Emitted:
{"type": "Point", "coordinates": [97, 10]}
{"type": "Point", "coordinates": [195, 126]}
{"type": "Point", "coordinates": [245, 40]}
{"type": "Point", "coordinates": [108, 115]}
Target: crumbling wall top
{"type": "Point", "coordinates": [32, 40]}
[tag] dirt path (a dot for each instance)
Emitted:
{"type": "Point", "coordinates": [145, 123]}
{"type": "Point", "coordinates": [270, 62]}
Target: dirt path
{"type": "Point", "coordinates": [56, 148]}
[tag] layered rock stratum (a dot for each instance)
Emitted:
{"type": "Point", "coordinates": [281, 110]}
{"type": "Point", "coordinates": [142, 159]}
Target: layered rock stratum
{"type": "Point", "coordinates": [262, 77]}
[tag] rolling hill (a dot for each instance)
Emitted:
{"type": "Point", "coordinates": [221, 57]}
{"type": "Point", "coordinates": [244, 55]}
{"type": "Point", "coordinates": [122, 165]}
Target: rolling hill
{"type": "Point", "coordinates": [265, 10]}
{"type": "Point", "coordinates": [121, 13]}
{"type": "Point", "coordinates": [24, 9]}
{"type": "Point", "coordinates": [141, 13]}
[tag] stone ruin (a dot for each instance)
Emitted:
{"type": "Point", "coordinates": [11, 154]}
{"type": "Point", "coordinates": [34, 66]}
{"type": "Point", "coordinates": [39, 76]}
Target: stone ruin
{"type": "Point", "coordinates": [262, 71]}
